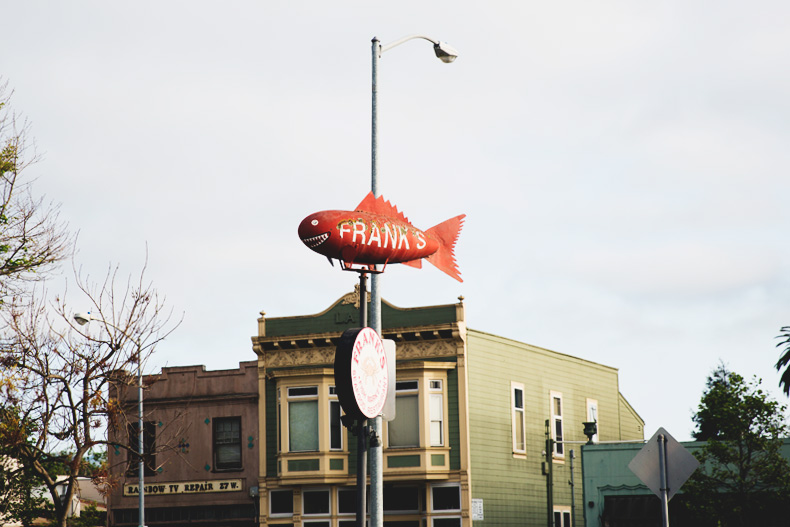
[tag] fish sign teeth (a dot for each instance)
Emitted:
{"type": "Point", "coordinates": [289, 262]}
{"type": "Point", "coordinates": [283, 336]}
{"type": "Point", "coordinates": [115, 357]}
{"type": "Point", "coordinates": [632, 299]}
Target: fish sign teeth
{"type": "Point", "coordinates": [315, 241]}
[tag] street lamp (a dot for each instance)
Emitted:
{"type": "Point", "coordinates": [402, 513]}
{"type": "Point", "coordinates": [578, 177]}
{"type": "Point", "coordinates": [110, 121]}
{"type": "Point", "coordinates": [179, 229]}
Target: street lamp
{"type": "Point", "coordinates": [446, 54]}
{"type": "Point", "coordinates": [84, 318]}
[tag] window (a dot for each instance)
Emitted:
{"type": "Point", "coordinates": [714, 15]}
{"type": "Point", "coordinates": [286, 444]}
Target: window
{"type": "Point", "coordinates": [401, 499]}
{"type": "Point", "coordinates": [562, 517]}
{"type": "Point", "coordinates": [404, 430]}
{"type": "Point", "coordinates": [445, 498]}
{"type": "Point", "coordinates": [519, 422]}
{"type": "Point", "coordinates": [303, 419]}
{"type": "Point", "coordinates": [437, 413]}
{"type": "Point", "coordinates": [315, 502]}
{"type": "Point", "coordinates": [556, 424]}
{"type": "Point", "coordinates": [149, 449]}
{"type": "Point", "coordinates": [347, 500]}
{"type": "Point", "coordinates": [227, 443]}
{"type": "Point", "coordinates": [281, 502]}
{"type": "Point", "coordinates": [592, 415]}
{"type": "Point", "coordinates": [335, 425]}
{"type": "Point", "coordinates": [447, 522]}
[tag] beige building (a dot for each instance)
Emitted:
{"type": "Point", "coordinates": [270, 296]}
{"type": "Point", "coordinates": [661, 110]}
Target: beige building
{"type": "Point", "coordinates": [468, 440]}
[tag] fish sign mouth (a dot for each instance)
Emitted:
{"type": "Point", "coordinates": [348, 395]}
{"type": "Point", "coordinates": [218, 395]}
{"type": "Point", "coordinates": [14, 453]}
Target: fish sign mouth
{"type": "Point", "coordinates": [315, 241]}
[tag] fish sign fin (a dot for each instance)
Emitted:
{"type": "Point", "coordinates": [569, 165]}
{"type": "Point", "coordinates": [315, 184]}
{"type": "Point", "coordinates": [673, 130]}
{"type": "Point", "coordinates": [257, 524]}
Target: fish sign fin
{"type": "Point", "coordinates": [446, 233]}
{"type": "Point", "coordinates": [417, 264]}
{"type": "Point", "coordinates": [381, 207]}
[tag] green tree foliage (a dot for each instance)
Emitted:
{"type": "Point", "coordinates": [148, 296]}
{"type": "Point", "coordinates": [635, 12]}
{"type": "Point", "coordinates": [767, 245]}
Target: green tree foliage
{"type": "Point", "coordinates": [743, 476]}
{"type": "Point", "coordinates": [784, 360]}
{"type": "Point", "coordinates": [20, 497]}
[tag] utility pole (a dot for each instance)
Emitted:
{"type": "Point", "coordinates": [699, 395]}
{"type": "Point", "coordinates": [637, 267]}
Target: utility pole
{"type": "Point", "coordinates": [549, 476]}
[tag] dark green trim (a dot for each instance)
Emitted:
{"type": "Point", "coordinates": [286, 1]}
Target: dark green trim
{"type": "Point", "coordinates": [403, 461]}
{"type": "Point", "coordinates": [271, 427]}
{"type": "Point", "coordinates": [340, 317]}
{"type": "Point", "coordinates": [437, 460]}
{"type": "Point", "coordinates": [453, 424]}
{"type": "Point", "coordinates": [303, 465]}
{"type": "Point", "coordinates": [336, 464]}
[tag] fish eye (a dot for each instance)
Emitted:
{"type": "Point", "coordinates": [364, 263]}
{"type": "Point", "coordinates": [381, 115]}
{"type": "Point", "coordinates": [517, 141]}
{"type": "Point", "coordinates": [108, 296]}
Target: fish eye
{"type": "Point", "coordinates": [314, 222]}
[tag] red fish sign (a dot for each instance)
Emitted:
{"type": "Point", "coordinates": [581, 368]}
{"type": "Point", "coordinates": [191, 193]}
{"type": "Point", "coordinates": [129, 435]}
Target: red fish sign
{"type": "Point", "coordinates": [378, 233]}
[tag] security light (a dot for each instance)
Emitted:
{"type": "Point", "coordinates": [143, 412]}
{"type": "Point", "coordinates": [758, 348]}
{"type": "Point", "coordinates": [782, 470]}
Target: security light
{"type": "Point", "coordinates": [82, 318]}
{"type": "Point", "coordinates": [445, 52]}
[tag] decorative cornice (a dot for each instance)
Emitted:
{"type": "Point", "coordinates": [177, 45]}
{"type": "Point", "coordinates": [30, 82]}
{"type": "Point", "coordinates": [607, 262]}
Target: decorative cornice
{"type": "Point", "coordinates": [323, 356]}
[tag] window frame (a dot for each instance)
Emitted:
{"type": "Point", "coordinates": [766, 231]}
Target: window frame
{"type": "Point", "coordinates": [564, 511]}
{"type": "Point", "coordinates": [407, 392]}
{"type": "Point", "coordinates": [515, 411]}
{"type": "Point", "coordinates": [434, 510]}
{"type": "Point", "coordinates": [436, 393]}
{"type": "Point", "coordinates": [321, 515]}
{"type": "Point", "coordinates": [214, 423]}
{"type": "Point", "coordinates": [303, 398]}
{"type": "Point", "coordinates": [280, 514]}
{"type": "Point", "coordinates": [558, 449]}
{"type": "Point", "coordinates": [149, 448]}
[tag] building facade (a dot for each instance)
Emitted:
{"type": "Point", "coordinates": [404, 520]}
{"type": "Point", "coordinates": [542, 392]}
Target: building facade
{"type": "Point", "coordinates": [201, 449]}
{"type": "Point", "coordinates": [616, 497]}
{"type": "Point", "coordinates": [468, 442]}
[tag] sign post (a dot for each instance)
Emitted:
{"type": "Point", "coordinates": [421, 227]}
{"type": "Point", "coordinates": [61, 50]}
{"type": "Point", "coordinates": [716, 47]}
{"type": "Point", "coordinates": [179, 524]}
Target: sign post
{"type": "Point", "coordinates": [663, 465]}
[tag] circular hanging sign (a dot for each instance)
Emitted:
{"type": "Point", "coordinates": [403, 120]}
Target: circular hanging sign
{"type": "Point", "coordinates": [361, 376]}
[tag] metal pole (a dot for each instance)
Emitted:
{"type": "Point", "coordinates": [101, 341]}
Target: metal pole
{"type": "Point", "coordinates": [549, 476]}
{"type": "Point", "coordinates": [662, 470]}
{"type": "Point", "coordinates": [376, 453]}
{"type": "Point", "coordinates": [363, 300]}
{"type": "Point", "coordinates": [573, 498]}
{"type": "Point", "coordinates": [140, 448]}
{"type": "Point", "coordinates": [362, 471]}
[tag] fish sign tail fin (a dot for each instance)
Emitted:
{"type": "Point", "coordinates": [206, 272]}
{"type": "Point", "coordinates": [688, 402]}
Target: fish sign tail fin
{"type": "Point", "coordinates": [447, 234]}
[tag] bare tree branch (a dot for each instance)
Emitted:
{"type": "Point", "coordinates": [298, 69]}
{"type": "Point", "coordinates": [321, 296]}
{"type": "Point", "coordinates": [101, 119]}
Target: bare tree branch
{"type": "Point", "coordinates": [57, 397]}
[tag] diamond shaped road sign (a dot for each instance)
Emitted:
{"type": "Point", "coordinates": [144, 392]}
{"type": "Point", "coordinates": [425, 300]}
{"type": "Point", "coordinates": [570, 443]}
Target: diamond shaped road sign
{"type": "Point", "coordinates": [680, 464]}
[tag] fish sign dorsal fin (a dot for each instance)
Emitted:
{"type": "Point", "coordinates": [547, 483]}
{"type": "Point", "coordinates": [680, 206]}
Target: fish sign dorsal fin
{"type": "Point", "coordinates": [380, 206]}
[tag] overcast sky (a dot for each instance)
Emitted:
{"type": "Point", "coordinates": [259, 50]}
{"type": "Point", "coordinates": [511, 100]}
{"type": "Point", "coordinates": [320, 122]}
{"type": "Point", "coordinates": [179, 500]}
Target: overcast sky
{"type": "Point", "coordinates": [623, 167]}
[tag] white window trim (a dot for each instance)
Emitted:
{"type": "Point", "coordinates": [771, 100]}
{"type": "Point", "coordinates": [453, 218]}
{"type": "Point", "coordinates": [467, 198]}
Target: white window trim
{"type": "Point", "coordinates": [299, 398]}
{"type": "Point", "coordinates": [554, 417]}
{"type": "Point", "coordinates": [309, 396]}
{"type": "Point", "coordinates": [449, 517]}
{"type": "Point", "coordinates": [513, 424]}
{"type": "Point", "coordinates": [593, 403]}
{"type": "Point", "coordinates": [323, 515]}
{"type": "Point", "coordinates": [344, 515]}
{"type": "Point", "coordinates": [433, 510]}
{"type": "Point", "coordinates": [431, 419]}
{"type": "Point", "coordinates": [420, 412]}
{"type": "Point", "coordinates": [280, 514]}
{"type": "Point", "coordinates": [562, 510]}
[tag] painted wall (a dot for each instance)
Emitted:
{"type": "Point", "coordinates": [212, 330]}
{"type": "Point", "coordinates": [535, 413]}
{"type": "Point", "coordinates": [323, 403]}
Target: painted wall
{"type": "Point", "coordinates": [183, 402]}
{"type": "Point", "coordinates": [606, 473]}
{"type": "Point", "coordinates": [512, 485]}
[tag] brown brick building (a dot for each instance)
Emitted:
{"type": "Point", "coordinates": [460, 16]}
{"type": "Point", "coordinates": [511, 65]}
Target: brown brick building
{"type": "Point", "coordinates": [201, 433]}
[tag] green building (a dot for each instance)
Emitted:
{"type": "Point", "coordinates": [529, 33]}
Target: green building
{"type": "Point", "coordinates": [468, 443]}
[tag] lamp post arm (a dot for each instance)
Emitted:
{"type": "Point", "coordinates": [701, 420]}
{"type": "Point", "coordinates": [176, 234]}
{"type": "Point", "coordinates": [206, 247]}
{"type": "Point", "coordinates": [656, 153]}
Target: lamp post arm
{"type": "Point", "coordinates": [406, 39]}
